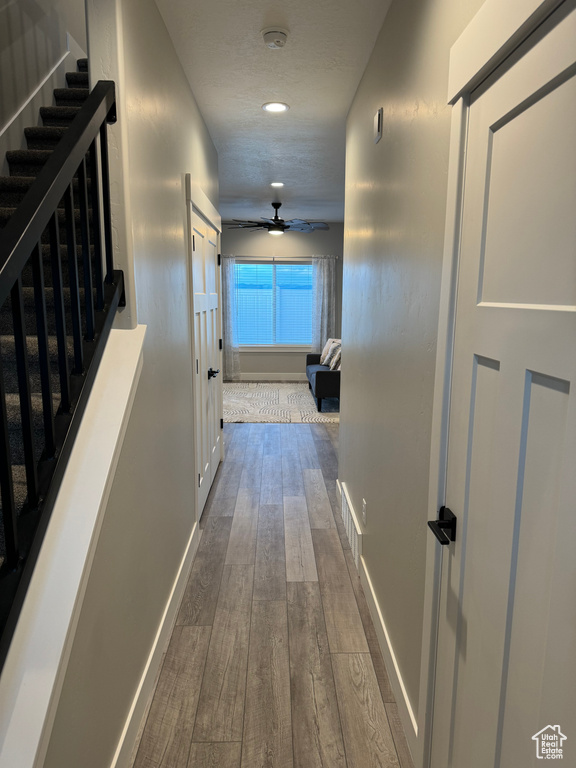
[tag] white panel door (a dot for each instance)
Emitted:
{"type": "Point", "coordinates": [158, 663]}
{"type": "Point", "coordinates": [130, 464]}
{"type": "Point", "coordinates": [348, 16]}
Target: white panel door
{"type": "Point", "coordinates": [506, 664]}
{"type": "Point", "coordinates": [207, 354]}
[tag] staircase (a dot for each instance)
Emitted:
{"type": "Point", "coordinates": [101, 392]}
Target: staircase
{"type": "Point", "coordinates": [50, 324]}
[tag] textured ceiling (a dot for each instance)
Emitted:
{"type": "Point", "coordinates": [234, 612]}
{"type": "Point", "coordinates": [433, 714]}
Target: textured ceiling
{"type": "Point", "coordinates": [232, 73]}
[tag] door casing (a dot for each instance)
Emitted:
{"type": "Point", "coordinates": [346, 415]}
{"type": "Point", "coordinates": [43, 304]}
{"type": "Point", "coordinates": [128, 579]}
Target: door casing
{"type": "Point", "coordinates": [198, 202]}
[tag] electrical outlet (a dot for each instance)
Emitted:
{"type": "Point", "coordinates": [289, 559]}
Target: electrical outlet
{"type": "Point", "coordinates": [364, 512]}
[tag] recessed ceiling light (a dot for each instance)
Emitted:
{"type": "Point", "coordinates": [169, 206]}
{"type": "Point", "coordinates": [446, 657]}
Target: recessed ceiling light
{"type": "Point", "coordinates": [277, 184]}
{"type": "Point", "coordinates": [275, 106]}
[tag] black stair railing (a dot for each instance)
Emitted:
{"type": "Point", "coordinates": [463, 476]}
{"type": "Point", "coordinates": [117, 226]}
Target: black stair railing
{"type": "Point", "coordinates": [52, 334]}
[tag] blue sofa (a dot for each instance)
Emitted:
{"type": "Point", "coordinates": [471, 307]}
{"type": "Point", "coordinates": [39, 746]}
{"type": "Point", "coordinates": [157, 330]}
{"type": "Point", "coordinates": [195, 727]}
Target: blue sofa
{"type": "Point", "coordinates": [321, 380]}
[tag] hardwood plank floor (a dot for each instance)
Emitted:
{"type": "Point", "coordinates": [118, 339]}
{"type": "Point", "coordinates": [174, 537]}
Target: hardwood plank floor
{"type": "Point", "coordinates": [274, 661]}
{"type": "Point", "coordinates": [242, 543]}
{"type": "Point", "coordinates": [343, 622]}
{"type": "Point", "coordinates": [300, 562]}
{"type": "Point", "coordinates": [199, 602]}
{"type": "Point", "coordinates": [319, 507]}
{"type": "Point", "coordinates": [267, 737]}
{"type": "Point", "coordinates": [220, 713]}
{"type": "Point", "coordinates": [168, 732]}
{"type": "Point", "coordinates": [270, 570]}
{"type": "Point", "coordinates": [315, 720]}
{"type": "Point", "coordinates": [367, 734]}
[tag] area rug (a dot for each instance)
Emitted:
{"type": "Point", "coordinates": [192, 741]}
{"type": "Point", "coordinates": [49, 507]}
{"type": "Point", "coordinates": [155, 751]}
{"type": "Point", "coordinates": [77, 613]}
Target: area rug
{"type": "Point", "coordinates": [275, 403]}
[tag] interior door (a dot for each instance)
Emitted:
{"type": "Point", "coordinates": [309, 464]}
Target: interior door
{"type": "Point", "coordinates": [207, 354]}
{"type": "Point", "coordinates": [506, 661]}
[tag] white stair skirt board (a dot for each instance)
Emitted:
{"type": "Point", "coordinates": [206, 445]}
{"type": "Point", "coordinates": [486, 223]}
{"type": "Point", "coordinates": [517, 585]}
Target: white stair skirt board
{"type": "Point", "coordinates": [36, 663]}
{"type": "Point", "coordinates": [353, 530]}
{"type": "Point", "coordinates": [126, 749]}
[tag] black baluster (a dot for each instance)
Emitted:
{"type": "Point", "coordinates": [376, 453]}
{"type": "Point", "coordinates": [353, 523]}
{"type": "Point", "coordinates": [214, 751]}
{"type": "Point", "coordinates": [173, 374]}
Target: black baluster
{"type": "Point", "coordinates": [95, 203]}
{"type": "Point", "coordinates": [6, 481]}
{"type": "Point", "coordinates": [86, 256]}
{"type": "Point", "coordinates": [106, 202]}
{"type": "Point", "coordinates": [24, 392]}
{"type": "Point", "coordinates": [59, 314]}
{"type": "Point", "coordinates": [43, 354]}
{"type": "Point", "coordinates": [73, 280]}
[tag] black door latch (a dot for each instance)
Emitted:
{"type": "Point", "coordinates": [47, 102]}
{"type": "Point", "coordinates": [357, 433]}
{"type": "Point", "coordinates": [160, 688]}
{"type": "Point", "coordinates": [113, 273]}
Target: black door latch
{"type": "Point", "coordinates": [445, 527]}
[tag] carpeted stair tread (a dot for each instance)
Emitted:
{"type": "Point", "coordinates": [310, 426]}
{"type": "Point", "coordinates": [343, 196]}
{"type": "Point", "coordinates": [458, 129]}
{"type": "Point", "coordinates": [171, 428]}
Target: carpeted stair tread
{"type": "Point", "coordinates": [44, 137]}
{"type": "Point", "coordinates": [70, 97]}
{"type": "Point", "coordinates": [24, 166]}
{"type": "Point", "coordinates": [13, 189]}
{"type": "Point", "coordinates": [27, 162]}
{"type": "Point", "coordinates": [77, 79]}
{"type": "Point", "coordinates": [15, 429]}
{"type": "Point", "coordinates": [8, 346]}
{"type": "Point", "coordinates": [58, 116]}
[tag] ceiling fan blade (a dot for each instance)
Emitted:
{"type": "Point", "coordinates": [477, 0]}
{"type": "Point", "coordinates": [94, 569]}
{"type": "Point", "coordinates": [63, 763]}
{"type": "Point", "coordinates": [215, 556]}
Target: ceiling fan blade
{"type": "Point", "coordinates": [246, 221]}
{"type": "Point", "coordinates": [269, 221]}
{"type": "Point", "coordinates": [318, 225]}
{"type": "Point", "coordinates": [299, 227]}
{"type": "Point", "coordinates": [245, 225]}
{"type": "Point", "coordinates": [296, 221]}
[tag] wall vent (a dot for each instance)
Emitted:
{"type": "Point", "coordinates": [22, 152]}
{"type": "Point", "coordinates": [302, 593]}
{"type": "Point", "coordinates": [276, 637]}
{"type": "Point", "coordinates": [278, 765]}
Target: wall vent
{"type": "Point", "coordinates": [353, 530]}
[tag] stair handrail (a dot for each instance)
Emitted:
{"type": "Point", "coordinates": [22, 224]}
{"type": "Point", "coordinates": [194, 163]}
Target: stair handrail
{"type": "Point", "coordinates": [20, 244]}
{"type": "Point", "coordinates": [26, 225]}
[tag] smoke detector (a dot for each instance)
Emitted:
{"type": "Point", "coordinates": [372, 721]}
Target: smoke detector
{"type": "Point", "coordinates": [275, 37]}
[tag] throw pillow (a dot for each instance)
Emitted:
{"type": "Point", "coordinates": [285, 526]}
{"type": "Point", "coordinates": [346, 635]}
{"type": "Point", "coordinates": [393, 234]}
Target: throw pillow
{"type": "Point", "coordinates": [335, 364]}
{"type": "Point", "coordinates": [325, 351]}
{"type": "Point", "coordinates": [334, 349]}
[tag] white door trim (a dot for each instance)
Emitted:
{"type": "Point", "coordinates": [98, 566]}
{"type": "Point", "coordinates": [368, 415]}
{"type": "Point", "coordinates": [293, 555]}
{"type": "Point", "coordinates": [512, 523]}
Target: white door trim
{"type": "Point", "coordinates": [198, 201]}
{"type": "Point", "coordinates": [496, 30]}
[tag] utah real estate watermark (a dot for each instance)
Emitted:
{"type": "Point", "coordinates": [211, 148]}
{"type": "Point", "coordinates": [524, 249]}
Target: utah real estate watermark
{"type": "Point", "coordinates": [549, 743]}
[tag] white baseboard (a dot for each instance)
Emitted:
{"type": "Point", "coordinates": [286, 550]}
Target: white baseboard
{"type": "Point", "coordinates": [405, 709]}
{"type": "Point", "coordinates": [123, 756]}
{"type": "Point", "coordinates": [273, 377]}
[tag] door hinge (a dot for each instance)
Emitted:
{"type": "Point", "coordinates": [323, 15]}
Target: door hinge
{"type": "Point", "coordinates": [193, 242]}
{"type": "Point", "coordinates": [199, 481]}
{"type": "Point", "coordinates": [220, 343]}
{"type": "Point", "coordinates": [219, 259]}
{"type": "Point", "coordinates": [197, 370]}
{"type": "Point", "coordinates": [221, 423]}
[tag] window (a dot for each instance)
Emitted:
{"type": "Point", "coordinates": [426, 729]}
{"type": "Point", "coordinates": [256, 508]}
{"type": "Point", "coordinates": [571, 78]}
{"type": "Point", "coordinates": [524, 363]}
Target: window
{"type": "Point", "coordinates": [274, 303]}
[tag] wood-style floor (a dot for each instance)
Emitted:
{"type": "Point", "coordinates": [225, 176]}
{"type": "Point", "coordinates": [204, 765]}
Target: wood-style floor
{"type": "Point", "coordinates": [274, 662]}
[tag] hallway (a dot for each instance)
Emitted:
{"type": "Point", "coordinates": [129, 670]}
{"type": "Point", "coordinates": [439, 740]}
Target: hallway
{"type": "Point", "coordinates": [274, 659]}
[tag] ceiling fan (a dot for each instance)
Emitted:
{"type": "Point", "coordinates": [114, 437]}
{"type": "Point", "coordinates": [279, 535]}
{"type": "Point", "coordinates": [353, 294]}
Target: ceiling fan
{"type": "Point", "coordinates": [277, 226]}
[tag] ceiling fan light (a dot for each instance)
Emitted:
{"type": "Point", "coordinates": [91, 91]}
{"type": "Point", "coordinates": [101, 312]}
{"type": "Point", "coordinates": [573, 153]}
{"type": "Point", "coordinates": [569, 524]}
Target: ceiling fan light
{"type": "Point", "coordinates": [277, 184]}
{"type": "Point", "coordinates": [276, 231]}
{"type": "Point", "coordinates": [275, 106]}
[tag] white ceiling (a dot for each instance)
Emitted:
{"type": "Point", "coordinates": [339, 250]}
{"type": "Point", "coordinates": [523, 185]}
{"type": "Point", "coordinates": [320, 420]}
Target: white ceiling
{"type": "Point", "coordinates": [232, 73]}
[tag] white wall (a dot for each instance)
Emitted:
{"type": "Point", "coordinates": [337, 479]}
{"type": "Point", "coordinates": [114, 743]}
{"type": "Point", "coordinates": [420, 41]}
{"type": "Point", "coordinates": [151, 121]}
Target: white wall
{"type": "Point", "coordinates": [243, 243]}
{"type": "Point", "coordinates": [33, 40]}
{"type": "Point", "coordinates": [150, 514]}
{"type": "Point", "coordinates": [393, 241]}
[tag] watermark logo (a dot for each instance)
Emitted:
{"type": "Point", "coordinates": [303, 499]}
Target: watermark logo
{"type": "Point", "coordinates": [549, 743]}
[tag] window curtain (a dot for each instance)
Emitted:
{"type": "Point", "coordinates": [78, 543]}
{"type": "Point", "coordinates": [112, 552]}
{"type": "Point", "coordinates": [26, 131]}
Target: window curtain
{"type": "Point", "coordinates": [230, 354]}
{"type": "Point", "coordinates": [324, 306]}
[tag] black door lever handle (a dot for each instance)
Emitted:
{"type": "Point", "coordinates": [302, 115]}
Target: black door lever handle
{"type": "Point", "coordinates": [445, 527]}
{"type": "Point", "coordinates": [212, 372]}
